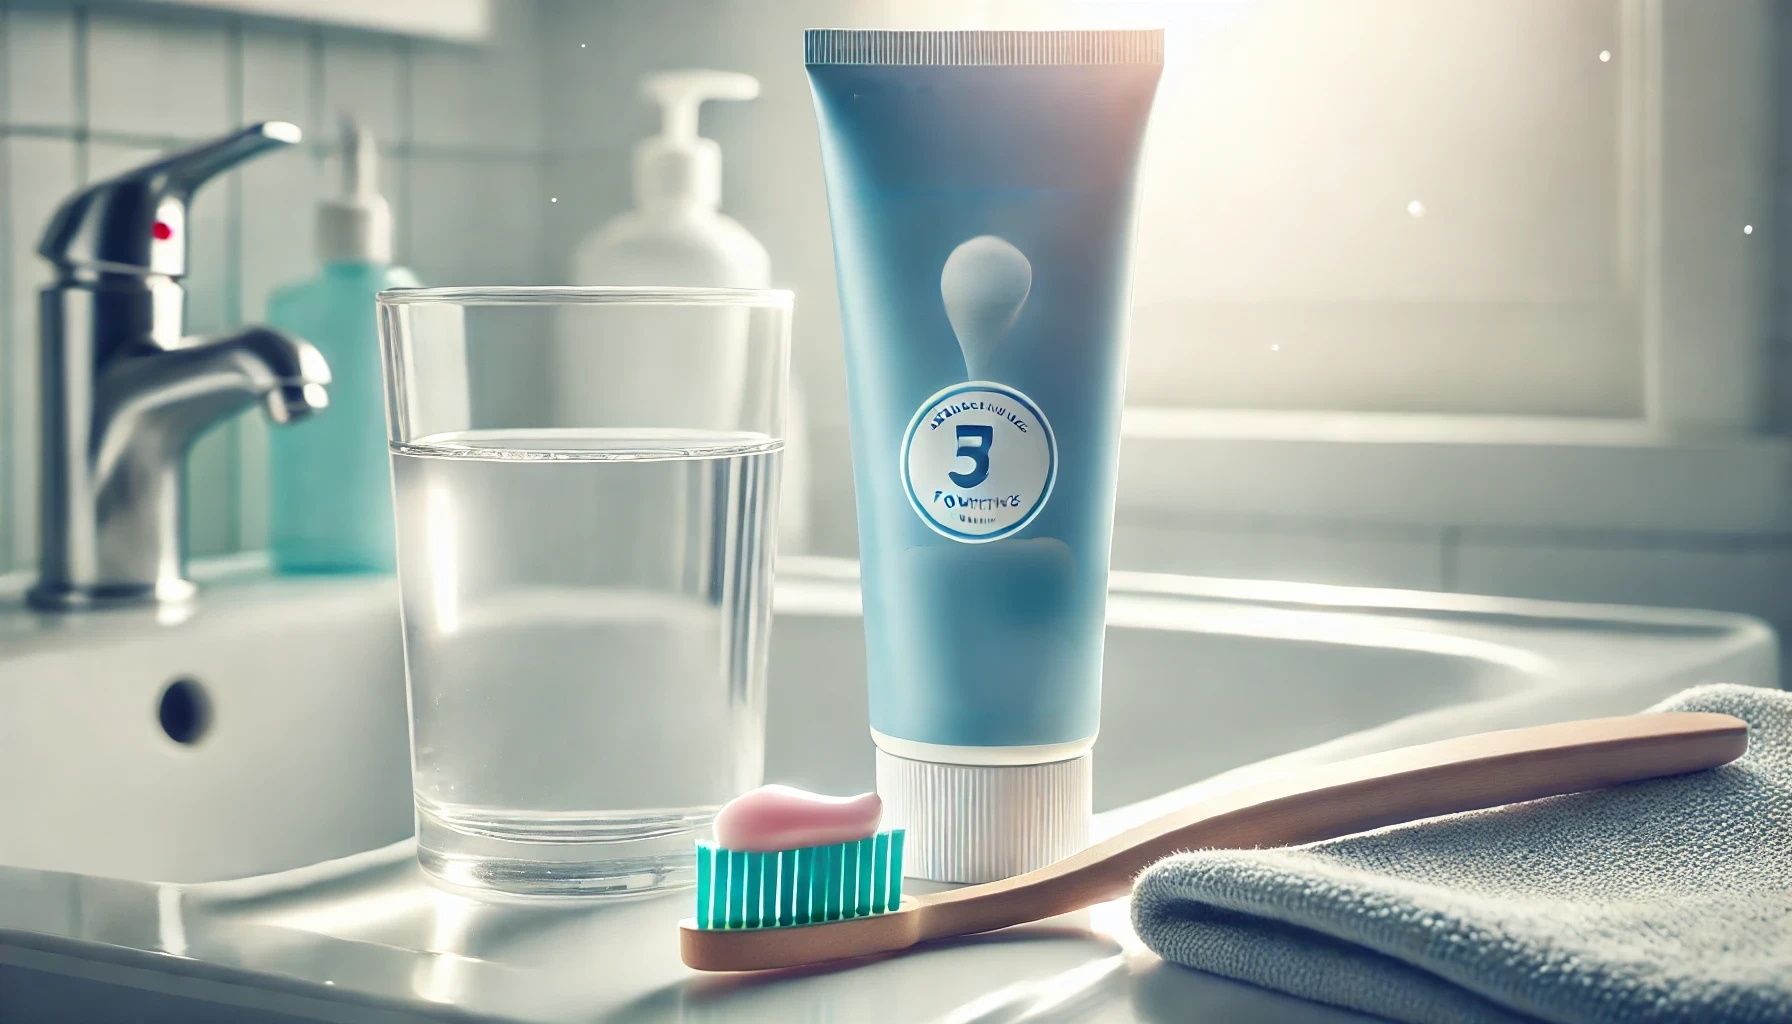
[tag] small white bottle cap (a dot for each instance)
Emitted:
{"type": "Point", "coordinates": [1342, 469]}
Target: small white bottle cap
{"type": "Point", "coordinates": [358, 225]}
{"type": "Point", "coordinates": [980, 823]}
{"type": "Point", "coordinates": [678, 166]}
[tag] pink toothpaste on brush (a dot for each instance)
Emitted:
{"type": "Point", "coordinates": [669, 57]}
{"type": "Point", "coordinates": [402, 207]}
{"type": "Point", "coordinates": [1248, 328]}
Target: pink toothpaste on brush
{"type": "Point", "coordinates": [784, 818]}
{"type": "Point", "coordinates": [785, 857]}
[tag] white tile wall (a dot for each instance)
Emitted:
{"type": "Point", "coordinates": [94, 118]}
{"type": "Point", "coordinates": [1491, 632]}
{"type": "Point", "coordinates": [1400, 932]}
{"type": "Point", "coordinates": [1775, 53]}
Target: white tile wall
{"type": "Point", "coordinates": [478, 221]}
{"type": "Point", "coordinates": [363, 78]}
{"type": "Point", "coordinates": [39, 173]}
{"type": "Point", "coordinates": [277, 81]}
{"type": "Point", "coordinates": [588, 189]}
{"type": "Point", "coordinates": [39, 49]}
{"type": "Point", "coordinates": [150, 83]}
{"type": "Point", "coordinates": [485, 99]}
{"type": "Point", "coordinates": [277, 225]}
{"type": "Point", "coordinates": [146, 77]}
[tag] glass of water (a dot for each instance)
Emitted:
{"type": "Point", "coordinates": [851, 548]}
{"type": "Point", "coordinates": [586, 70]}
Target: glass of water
{"type": "Point", "coordinates": [586, 489]}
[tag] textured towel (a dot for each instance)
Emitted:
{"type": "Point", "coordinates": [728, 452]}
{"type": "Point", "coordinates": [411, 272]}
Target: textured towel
{"type": "Point", "coordinates": [1667, 900]}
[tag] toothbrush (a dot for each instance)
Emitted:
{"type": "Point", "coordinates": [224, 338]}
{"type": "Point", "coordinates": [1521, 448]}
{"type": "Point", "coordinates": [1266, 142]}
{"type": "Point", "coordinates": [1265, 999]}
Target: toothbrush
{"type": "Point", "coordinates": [783, 857]}
{"type": "Point", "coordinates": [1321, 802]}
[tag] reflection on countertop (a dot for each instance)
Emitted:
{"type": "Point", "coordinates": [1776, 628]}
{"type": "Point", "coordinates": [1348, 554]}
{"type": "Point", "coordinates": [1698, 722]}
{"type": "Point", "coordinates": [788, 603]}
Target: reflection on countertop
{"type": "Point", "coordinates": [368, 936]}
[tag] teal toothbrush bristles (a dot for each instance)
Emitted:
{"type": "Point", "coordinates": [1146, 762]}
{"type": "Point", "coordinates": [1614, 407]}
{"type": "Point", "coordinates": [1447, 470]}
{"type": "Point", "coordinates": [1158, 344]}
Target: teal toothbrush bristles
{"type": "Point", "coordinates": [786, 888]}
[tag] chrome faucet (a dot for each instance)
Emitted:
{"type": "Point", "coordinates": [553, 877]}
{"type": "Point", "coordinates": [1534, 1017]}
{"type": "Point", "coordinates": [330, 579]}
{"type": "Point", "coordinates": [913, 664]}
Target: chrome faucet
{"type": "Point", "coordinates": [125, 394]}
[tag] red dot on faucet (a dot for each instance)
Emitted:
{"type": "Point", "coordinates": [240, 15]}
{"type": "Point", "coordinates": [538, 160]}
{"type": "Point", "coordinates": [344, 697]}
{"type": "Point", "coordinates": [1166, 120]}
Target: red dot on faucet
{"type": "Point", "coordinates": [161, 231]}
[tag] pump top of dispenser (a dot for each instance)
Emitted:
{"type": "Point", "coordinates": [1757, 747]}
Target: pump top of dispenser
{"type": "Point", "coordinates": [679, 166]}
{"type": "Point", "coordinates": [356, 226]}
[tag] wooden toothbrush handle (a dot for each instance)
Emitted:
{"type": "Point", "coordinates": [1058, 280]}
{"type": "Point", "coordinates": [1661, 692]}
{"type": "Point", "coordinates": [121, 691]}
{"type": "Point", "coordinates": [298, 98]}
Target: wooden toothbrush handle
{"type": "Point", "coordinates": [1326, 801]}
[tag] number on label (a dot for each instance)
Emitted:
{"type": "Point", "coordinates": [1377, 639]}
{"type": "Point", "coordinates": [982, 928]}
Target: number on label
{"type": "Point", "coordinates": [978, 453]}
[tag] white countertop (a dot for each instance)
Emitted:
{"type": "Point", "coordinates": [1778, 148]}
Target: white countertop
{"type": "Point", "coordinates": [368, 939]}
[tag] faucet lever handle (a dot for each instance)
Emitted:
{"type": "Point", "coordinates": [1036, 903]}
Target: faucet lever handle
{"type": "Point", "coordinates": [136, 222]}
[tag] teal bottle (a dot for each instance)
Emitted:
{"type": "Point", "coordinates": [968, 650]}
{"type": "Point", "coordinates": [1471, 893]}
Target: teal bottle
{"type": "Point", "coordinates": [330, 475]}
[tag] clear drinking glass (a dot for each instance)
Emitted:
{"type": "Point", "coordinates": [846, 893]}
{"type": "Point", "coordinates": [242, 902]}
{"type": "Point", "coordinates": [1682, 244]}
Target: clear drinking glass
{"type": "Point", "coordinates": [586, 489]}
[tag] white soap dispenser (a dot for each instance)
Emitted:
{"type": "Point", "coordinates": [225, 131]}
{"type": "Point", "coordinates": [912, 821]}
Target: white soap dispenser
{"type": "Point", "coordinates": [676, 235]}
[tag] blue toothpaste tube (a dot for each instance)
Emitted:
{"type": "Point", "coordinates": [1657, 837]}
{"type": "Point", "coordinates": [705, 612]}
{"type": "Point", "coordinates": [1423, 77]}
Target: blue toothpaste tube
{"type": "Point", "coordinates": [981, 187]}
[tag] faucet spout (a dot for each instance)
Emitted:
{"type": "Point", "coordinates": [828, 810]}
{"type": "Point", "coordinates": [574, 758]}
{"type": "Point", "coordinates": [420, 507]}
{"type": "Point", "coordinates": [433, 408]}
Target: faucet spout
{"type": "Point", "coordinates": [125, 544]}
{"type": "Point", "coordinates": [149, 408]}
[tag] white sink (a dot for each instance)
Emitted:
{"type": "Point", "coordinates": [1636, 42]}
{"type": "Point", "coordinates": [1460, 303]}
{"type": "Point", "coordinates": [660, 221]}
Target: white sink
{"type": "Point", "coordinates": [289, 697]}
{"type": "Point", "coordinates": [293, 710]}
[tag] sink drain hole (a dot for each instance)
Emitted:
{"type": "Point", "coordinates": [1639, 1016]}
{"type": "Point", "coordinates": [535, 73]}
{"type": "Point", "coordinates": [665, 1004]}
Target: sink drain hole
{"type": "Point", "coordinates": [185, 711]}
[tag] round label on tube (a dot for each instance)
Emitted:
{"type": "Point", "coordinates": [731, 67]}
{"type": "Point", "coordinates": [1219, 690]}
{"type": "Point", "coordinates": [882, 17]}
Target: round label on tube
{"type": "Point", "coordinates": [979, 461]}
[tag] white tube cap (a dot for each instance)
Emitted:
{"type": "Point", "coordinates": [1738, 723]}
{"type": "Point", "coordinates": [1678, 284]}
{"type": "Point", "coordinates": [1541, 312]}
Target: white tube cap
{"type": "Point", "coordinates": [980, 823]}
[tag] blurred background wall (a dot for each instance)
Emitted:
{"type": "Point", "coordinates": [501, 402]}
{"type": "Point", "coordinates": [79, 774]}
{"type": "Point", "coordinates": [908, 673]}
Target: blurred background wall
{"type": "Point", "coordinates": [1442, 294]}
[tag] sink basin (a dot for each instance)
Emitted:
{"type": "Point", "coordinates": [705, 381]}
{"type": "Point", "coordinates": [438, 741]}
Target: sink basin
{"type": "Point", "coordinates": [267, 730]}
{"type": "Point", "coordinates": [176, 795]}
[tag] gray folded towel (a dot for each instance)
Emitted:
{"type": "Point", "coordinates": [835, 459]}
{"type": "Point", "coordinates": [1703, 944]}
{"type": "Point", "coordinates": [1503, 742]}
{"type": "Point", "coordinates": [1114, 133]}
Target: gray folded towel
{"type": "Point", "coordinates": [1667, 900]}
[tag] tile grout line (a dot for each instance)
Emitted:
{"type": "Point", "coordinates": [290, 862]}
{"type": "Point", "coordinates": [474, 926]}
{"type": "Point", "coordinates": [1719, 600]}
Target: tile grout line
{"type": "Point", "coordinates": [151, 140]}
{"type": "Point", "coordinates": [315, 89]}
{"type": "Point", "coordinates": [83, 111]}
{"type": "Point", "coordinates": [407, 135]}
{"type": "Point", "coordinates": [407, 105]}
{"type": "Point", "coordinates": [547, 247]}
{"type": "Point", "coordinates": [1449, 553]}
{"type": "Point", "coordinates": [234, 70]}
{"type": "Point", "coordinates": [8, 365]}
{"type": "Point", "coordinates": [314, 81]}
